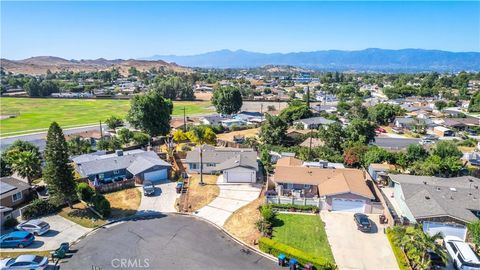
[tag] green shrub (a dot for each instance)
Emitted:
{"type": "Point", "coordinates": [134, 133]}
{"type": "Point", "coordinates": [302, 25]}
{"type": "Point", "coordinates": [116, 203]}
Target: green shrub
{"type": "Point", "coordinates": [267, 212]}
{"type": "Point", "coordinates": [85, 192]}
{"type": "Point", "coordinates": [102, 205]}
{"type": "Point", "coordinates": [38, 208]}
{"type": "Point", "coordinates": [296, 207]}
{"type": "Point", "coordinates": [10, 223]}
{"type": "Point", "coordinates": [275, 248]}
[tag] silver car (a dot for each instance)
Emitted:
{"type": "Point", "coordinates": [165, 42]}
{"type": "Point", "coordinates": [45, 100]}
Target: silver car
{"type": "Point", "coordinates": [24, 262]}
{"type": "Point", "coordinates": [34, 226]}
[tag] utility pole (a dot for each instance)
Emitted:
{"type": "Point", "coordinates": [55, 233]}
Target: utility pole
{"type": "Point", "coordinates": [308, 97]}
{"type": "Point", "coordinates": [310, 147]}
{"type": "Point", "coordinates": [101, 132]}
{"type": "Point", "coordinates": [261, 111]}
{"type": "Point", "coordinates": [184, 120]}
{"type": "Point", "coordinates": [201, 165]}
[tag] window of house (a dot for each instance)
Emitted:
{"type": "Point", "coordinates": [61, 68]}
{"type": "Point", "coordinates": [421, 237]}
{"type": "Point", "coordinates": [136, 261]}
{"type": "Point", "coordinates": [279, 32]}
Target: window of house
{"type": "Point", "coordinates": [116, 172]}
{"type": "Point", "coordinates": [306, 186]}
{"type": "Point", "coordinates": [17, 196]}
{"type": "Point", "coordinates": [210, 164]}
{"type": "Point", "coordinates": [101, 176]}
{"type": "Point", "coordinates": [193, 166]}
{"type": "Point", "coordinates": [289, 186]}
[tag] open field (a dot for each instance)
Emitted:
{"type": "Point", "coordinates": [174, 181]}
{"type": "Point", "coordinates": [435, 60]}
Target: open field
{"type": "Point", "coordinates": [35, 114]}
{"type": "Point", "coordinates": [303, 232]}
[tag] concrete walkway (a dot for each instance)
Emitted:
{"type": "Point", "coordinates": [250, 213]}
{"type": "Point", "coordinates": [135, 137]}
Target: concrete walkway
{"type": "Point", "coordinates": [232, 197]}
{"type": "Point", "coordinates": [162, 201]}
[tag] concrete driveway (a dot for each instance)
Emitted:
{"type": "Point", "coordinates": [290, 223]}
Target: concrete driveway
{"type": "Point", "coordinates": [61, 230]}
{"type": "Point", "coordinates": [162, 201]}
{"type": "Point", "coordinates": [232, 197]}
{"type": "Point", "coordinates": [353, 249]}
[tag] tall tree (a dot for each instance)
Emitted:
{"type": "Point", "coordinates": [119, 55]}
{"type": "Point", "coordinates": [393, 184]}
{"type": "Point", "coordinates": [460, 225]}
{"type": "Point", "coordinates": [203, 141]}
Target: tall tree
{"type": "Point", "coordinates": [227, 99]}
{"type": "Point", "coordinates": [333, 136]}
{"type": "Point", "coordinates": [114, 122]}
{"type": "Point", "coordinates": [360, 130]}
{"type": "Point", "coordinates": [58, 173]}
{"type": "Point", "coordinates": [25, 163]}
{"type": "Point", "coordinates": [151, 113]}
{"type": "Point", "coordinates": [273, 130]}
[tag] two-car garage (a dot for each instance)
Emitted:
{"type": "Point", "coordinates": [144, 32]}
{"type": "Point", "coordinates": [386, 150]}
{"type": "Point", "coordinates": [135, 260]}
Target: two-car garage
{"type": "Point", "coordinates": [348, 205]}
{"type": "Point", "coordinates": [156, 175]}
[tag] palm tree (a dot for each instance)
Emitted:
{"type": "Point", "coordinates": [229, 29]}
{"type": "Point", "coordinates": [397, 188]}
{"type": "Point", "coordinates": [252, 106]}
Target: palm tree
{"type": "Point", "coordinates": [26, 164]}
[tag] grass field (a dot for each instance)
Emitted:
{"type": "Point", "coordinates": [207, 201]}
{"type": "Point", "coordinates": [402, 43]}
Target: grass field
{"type": "Point", "coordinates": [33, 114]}
{"type": "Point", "coordinates": [303, 232]}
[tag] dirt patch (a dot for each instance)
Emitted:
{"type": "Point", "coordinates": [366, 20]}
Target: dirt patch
{"type": "Point", "coordinates": [201, 195]}
{"type": "Point", "coordinates": [203, 95]}
{"type": "Point", "coordinates": [242, 222]}
{"type": "Point", "coordinates": [253, 132]}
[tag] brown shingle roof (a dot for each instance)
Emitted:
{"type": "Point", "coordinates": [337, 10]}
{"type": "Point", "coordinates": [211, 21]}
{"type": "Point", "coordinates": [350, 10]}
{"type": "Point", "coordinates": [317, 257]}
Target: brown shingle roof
{"type": "Point", "coordinates": [329, 181]}
{"type": "Point", "coordinates": [289, 161]}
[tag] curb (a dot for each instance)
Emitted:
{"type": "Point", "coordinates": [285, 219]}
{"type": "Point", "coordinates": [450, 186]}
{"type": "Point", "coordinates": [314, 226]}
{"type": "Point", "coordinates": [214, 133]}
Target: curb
{"type": "Point", "coordinates": [148, 216]}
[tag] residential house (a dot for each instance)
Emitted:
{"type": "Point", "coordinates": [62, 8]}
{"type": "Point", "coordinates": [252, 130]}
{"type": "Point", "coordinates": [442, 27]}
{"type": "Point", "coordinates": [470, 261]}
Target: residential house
{"type": "Point", "coordinates": [325, 108]}
{"type": "Point", "coordinates": [443, 131]}
{"type": "Point", "coordinates": [339, 189]}
{"type": "Point", "coordinates": [314, 122]}
{"type": "Point", "coordinates": [236, 164]}
{"type": "Point", "coordinates": [411, 123]}
{"type": "Point", "coordinates": [13, 194]}
{"type": "Point", "coordinates": [229, 123]}
{"type": "Point", "coordinates": [312, 142]}
{"type": "Point", "coordinates": [461, 123]}
{"type": "Point", "coordinates": [104, 168]}
{"type": "Point", "coordinates": [473, 158]}
{"type": "Point", "coordinates": [215, 119]}
{"type": "Point", "coordinates": [441, 205]}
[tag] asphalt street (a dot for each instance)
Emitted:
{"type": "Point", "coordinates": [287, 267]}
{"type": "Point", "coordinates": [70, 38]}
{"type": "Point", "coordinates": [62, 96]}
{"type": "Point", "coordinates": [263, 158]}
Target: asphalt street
{"type": "Point", "coordinates": [169, 242]}
{"type": "Point", "coordinates": [395, 143]}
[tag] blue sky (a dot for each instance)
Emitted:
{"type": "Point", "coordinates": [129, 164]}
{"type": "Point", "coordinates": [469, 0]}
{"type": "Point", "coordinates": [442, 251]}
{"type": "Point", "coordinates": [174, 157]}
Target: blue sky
{"type": "Point", "coordinates": [82, 30]}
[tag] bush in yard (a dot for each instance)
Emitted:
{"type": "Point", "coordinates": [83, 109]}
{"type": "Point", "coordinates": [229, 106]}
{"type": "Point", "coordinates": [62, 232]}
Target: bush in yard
{"type": "Point", "coordinates": [296, 207]}
{"type": "Point", "coordinates": [10, 223]}
{"type": "Point", "coordinates": [102, 205]}
{"type": "Point", "coordinates": [275, 248]}
{"type": "Point", "coordinates": [267, 212]}
{"type": "Point", "coordinates": [38, 208]}
{"type": "Point", "coordinates": [85, 192]}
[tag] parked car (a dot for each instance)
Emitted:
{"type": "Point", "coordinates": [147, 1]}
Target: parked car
{"type": "Point", "coordinates": [14, 239]}
{"type": "Point", "coordinates": [462, 255]}
{"type": "Point", "coordinates": [35, 226]}
{"type": "Point", "coordinates": [426, 142]}
{"type": "Point", "coordinates": [397, 130]}
{"type": "Point", "coordinates": [30, 262]}
{"type": "Point", "coordinates": [148, 188]}
{"type": "Point", "coordinates": [436, 260]}
{"type": "Point", "coordinates": [380, 130]}
{"type": "Point", "coordinates": [431, 137]}
{"type": "Point", "coordinates": [363, 222]}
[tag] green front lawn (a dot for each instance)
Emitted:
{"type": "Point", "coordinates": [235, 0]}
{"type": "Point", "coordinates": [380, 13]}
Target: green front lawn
{"type": "Point", "coordinates": [36, 114]}
{"type": "Point", "coordinates": [303, 232]}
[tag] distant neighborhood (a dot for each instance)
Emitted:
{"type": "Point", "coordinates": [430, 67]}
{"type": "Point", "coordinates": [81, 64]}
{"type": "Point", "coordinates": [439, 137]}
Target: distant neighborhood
{"type": "Point", "coordinates": [302, 167]}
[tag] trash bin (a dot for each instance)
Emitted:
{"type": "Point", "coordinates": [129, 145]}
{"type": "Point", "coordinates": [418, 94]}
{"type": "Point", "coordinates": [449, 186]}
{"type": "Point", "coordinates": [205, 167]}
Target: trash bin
{"type": "Point", "coordinates": [308, 266]}
{"type": "Point", "coordinates": [282, 259]}
{"type": "Point", "coordinates": [179, 187]}
{"type": "Point", "coordinates": [293, 263]}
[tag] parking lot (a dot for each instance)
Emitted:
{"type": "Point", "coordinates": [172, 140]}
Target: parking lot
{"type": "Point", "coordinates": [353, 249]}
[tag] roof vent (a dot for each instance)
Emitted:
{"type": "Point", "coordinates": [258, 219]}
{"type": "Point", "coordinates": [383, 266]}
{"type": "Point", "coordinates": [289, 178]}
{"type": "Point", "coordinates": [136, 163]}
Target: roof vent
{"type": "Point", "coordinates": [438, 188]}
{"type": "Point", "coordinates": [424, 182]}
{"type": "Point", "coordinates": [453, 189]}
{"type": "Point", "coordinates": [427, 197]}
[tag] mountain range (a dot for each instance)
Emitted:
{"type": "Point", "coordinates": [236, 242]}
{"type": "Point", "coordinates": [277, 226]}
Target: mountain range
{"type": "Point", "coordinates": [376, 60]}
{"type": "Point", "coordinates": [40, 64]}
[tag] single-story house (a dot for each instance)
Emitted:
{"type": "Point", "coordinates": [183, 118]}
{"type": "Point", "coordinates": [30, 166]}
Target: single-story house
{"type": "Point", "coordinates": [461, 123]}
{"type": "Point", "coordinates": [443, 131]}
{"type": "Point", "coordinates": [238, 165]}
{"type": "Point", "coordinates": [13, 192]}
{"type": "Point", "coordinates": [410, 122]}
{"type": "Point", "coordinates": [249, 117]}
{"type": "Point", "coordinates": [212, 119]}
{"type": "Point", "coordinates": [313, 142]}
{"type": "Point", "coordinates": [325, 108]}
{"type": "Point", "coordinates": [314, 122]}
{"type": "Point", "coordinates": [339, 189]}
{"type": "Point", "coordinates": [441, 205]}
{"type": "Point", "coordinates": [107, 168]}
{"type": "Point", "coordinates": [473, 158]}
{"type": "Point", "coordinates": [228, 123]}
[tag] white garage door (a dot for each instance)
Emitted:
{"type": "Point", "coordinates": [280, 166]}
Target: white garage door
{"type": "Point", "coordinates": [348, 205]}
{"type": "Point", "coordinates": [433, 228]}
{"type": "Point", "coordinates": [239, 177]}
{"type": "Point", "coordinates": [158, 175]}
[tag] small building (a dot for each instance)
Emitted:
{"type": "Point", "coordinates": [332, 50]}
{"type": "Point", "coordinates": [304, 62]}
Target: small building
{"type": "Point", "coordinates": [238, 165]}
{"type": "Point", "coordinates": [314, 122]}
{"type": "Point", "coordinates": [13, 192]}
{"type": "Point", "coordinates": [443, 131]}
{"type": "Point", "coordinates": [379, 171]}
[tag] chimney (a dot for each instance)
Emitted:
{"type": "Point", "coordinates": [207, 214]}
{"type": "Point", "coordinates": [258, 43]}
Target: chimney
{"type": "Point", "coordinates": [119, 152]}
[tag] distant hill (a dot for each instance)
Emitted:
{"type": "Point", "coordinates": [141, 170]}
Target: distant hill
{"type": "Point", "coordinates": [406, 60]}
{"type": "Point", "coordinates": [40, 64]}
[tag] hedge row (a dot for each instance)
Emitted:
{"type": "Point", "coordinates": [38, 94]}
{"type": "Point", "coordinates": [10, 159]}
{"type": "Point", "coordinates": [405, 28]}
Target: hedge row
{"type": "Point", "coordinates": [276, 248]}
{"type": "Point", "coordinates": [294, 206]}
{"type": "Point", "coordinates": [38, 208]}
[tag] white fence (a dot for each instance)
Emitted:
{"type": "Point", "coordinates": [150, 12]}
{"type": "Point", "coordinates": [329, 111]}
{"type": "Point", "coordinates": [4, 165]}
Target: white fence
{"type": "Point", "coordinates": [292, 200]}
